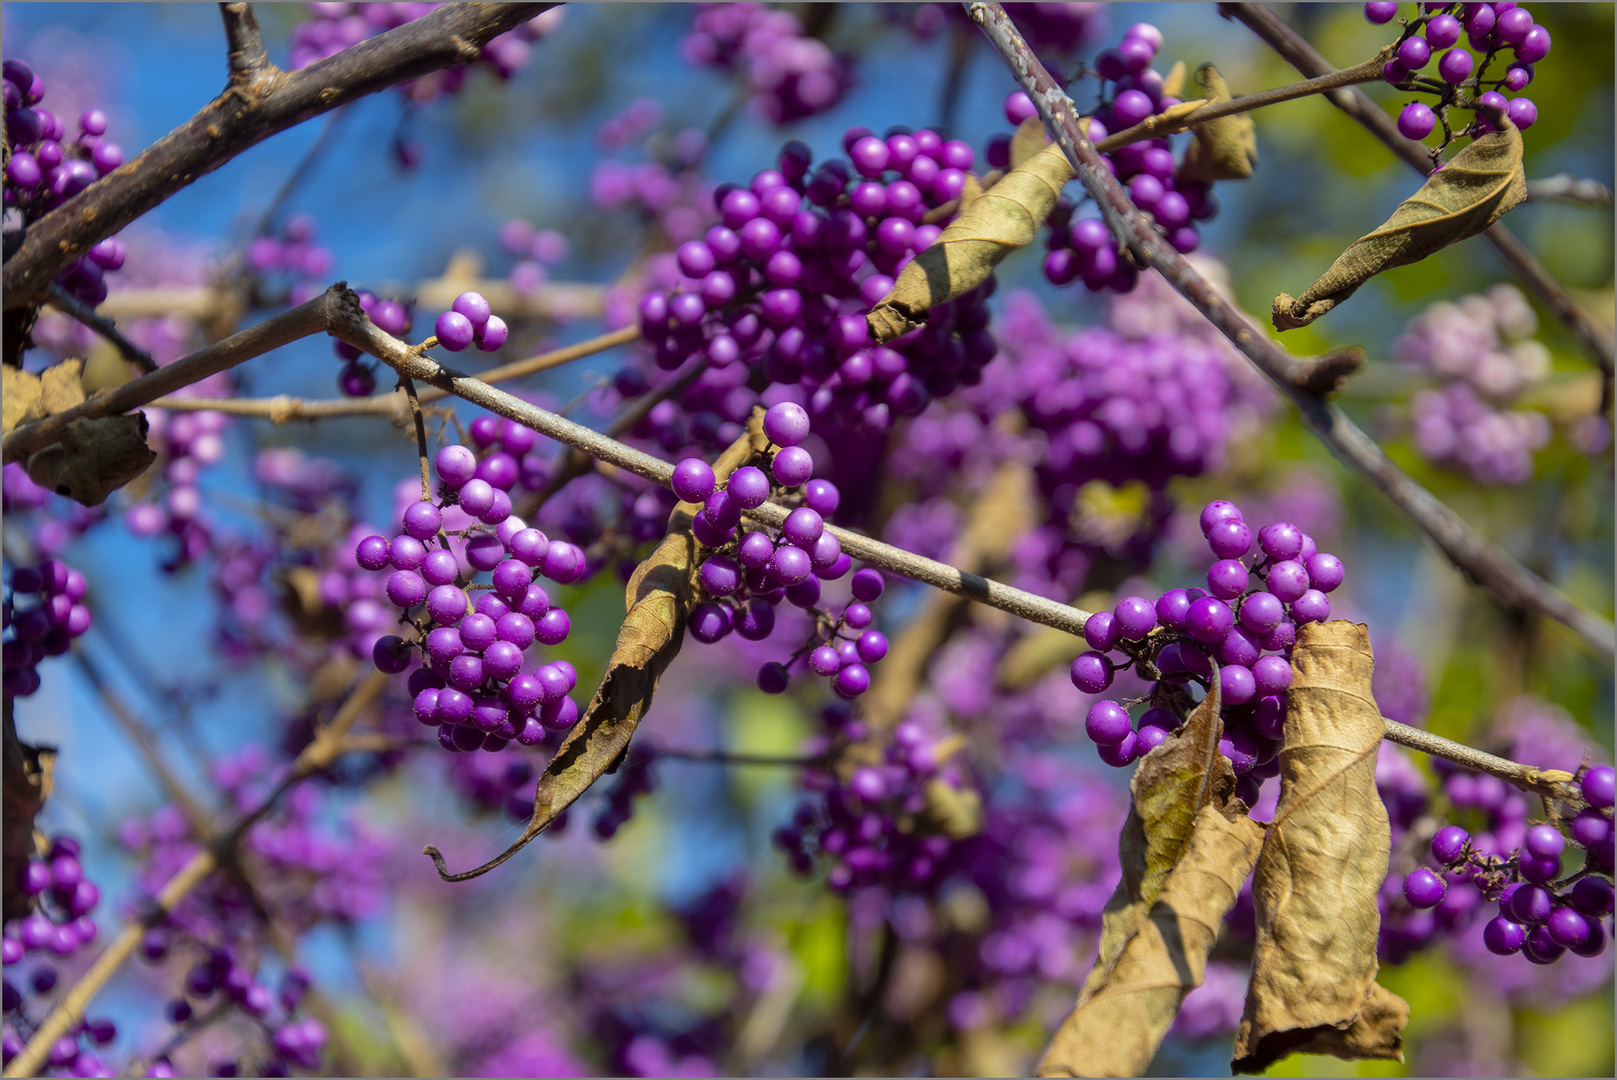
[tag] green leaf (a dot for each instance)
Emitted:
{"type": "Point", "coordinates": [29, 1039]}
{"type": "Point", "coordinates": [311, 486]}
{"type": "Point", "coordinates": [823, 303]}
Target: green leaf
{"type": "Point", "coordinates": [1483, 183]}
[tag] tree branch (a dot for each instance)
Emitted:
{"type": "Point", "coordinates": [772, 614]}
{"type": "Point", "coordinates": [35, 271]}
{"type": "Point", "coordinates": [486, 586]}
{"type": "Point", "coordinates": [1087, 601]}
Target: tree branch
{"type": "Point", "coordinates": [272, 333]}
{"type": "Point", "coordinates": [248, 60]}
{"type": "Point", "coordinates": [241, 117]}
{"type": "Point", "coordinates": [1356, 103]}
{"type": "Point", "coordinates": [1568, 188]}
{"type": "Point", "coordinates": [359, 332]}
{"type": "Point", "coordinates": [84, 313]}
{"type": "Point", "coordinates": [328, 744]}
{"type": "Point", "coordinates": [1512, 584]}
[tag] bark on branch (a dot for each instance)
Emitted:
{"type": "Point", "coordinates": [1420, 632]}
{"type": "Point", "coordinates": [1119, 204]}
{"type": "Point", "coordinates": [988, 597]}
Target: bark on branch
{"type": "Point", "coordinates": [248, 60]}
{"type": "Point", "coordinates": [243, 116]}
{"type": "Point", "coordinates": [1510, 583]}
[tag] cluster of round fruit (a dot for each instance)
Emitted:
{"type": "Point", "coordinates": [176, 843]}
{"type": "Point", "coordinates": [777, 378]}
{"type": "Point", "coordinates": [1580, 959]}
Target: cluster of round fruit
{"type": "Point", "coordinates": [473, 685]}
{"type": "Point", "coordinates": [750, 572]}
{"type": "Point", "coordinates": [1488, 28]}
{"type": "Point", "coordinates": [1541, 914]}
{"type": "Point", "coordinates": [357, 379]}
{"type": "Point", "coordinates": [1246, 618]}
{"type": "Point", "coordinates": [55, 617]}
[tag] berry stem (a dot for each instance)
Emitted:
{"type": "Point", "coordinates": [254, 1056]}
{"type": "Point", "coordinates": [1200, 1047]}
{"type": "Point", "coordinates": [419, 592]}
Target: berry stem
{"type": "Point", "coordinates": [408, 385]}
{"type": "Point", "coordinates": [1513, 585]}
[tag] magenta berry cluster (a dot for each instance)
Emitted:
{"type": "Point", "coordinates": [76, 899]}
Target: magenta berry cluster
{"type": "Point", "coordinates": [749, 572]}
{"type": "Point", "coordinates": [1261, 586]}
{"type": "Point", "coordinates": [43, 612]}
{"type": "Point", "coordinates": [865, 826]}
{"type": "Point", "coordinates": [45, 168]}
{"type": "Point", "coordinates": [790, 75]}
{"type": "Point", "coordinates": [478, 684]}
{"type": "Point", "coordinates": [334, 27]}
{"type": "Point", "coordinates": [1544, 911]}
{"type": "Point", "coordinates": [1431, 59]}
{"type": "Point", "coordinates": [778, 290]}
{"type": "Point", "coordinates": [469, 320]}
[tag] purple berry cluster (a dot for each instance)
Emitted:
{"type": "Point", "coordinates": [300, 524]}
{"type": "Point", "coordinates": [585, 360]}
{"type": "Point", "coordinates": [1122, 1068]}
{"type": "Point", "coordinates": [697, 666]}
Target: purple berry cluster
{"type": "Point", "coordinates": [1246, 618]}
{"type": "Point", "coordinates": [1543, 911]}
{"type": "Point", "coordinates": [357, 379]}
{"type": "Point", "coordinates": [186, 444]}
{"type": "Point", "coordinates": [536, 250]}
{"type": "Point", "coordinates": [469, 320]}
{"type": "Point", "coordinates": [1482, 352]}
{"type": "Point", "coordinates": [45, 169]}
{"type": "Point", "coordinates": [777, 291]}
{"type": "Point", "coordinates": [865, 827]}
{"type": "Point", "coordinates": [789, 74]}
{"type": "Point", "coordinates": [477, 684]}
{"type": "Point", "coordinates": [750, 572]}
{"type": "Point", "coordinates": [1083, 249]}
{"type": "Point", "coordinates": [292, 258]}
{"type": "Point", "coordinates": [43, 612]}
{"type": "Point", "coordinates": [338, 26]}
{"type": "Point", "coordinates": [1434, 35]}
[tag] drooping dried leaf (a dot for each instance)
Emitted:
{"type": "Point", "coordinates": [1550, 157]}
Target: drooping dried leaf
{"type": "Point", "coordinates": [94, 458]}
{"type": "Point", "coordinates": [1174, 81]}
{"type": "Point", "coordinates": [1314, 963]}
{"type": "Point", "coordinates": [1170, 786]}
{"type": "Point", "coordinates": [1222, 149]}
{"type": "Point", "coordinates": [1029, 138]}
{"type": "Point", "coordinates": [1479, 186]}
{"type": "Point", "coordinates": [20, 396]}
{"type": "Point", "coordinates": [1005, 217]}
{"type": "Point", "coordinates": [657, 602]}
{"type": "Point", "coordinates": [1116, 1029]}
{"type": "Point", "coordinates": [61, 386]}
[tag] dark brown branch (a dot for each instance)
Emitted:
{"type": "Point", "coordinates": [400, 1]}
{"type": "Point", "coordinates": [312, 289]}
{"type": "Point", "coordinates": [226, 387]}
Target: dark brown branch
{"type": "Point", "coordinates": [87, 315]}
{"type": "Point", "coordinates": [1513, 585]}
{"type": "Point", "coordinates": [1565, 187]}
{"type": "Point", "coordinates": [241, 117]}
{"type": "Point", "coordinates": [248, 60]}
{"type": "Point", "coordinates": [300, 322]}
{"type": "Point", "coordinates": [1356, 103]}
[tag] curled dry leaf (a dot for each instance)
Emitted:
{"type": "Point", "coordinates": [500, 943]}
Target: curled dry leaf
{"type": "Point", "coordinates": [657, 601]}
{"type": "Point", "coordinates": [1479, 186]}
{"type": "Point", "coordinates": [1222, 149]}
{"type": "Point", "coordinates": [1314, 964]}
{"type": "Point", "coordinates": [27, 773]}
{"type": "Point", "coordinates": [1116, 1029]}
{"type": "Point", "coordinates": [1005, 217]}
{"type": "Point", "coordinates": [1170, 786]}
{"type": "Point", "coordinates": [32, 397]}
{"type": "Point", "coordinates": [94, 458]}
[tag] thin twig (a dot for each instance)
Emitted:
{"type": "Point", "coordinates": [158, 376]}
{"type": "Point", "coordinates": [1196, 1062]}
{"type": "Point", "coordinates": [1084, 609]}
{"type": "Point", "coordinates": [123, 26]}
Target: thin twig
{"type": "Point", "coordinates": [102, 325]}
{"type": "Point", "coordinates": [272, 333]}
{"type": "Point", "coordinates": [1513, 585]}
{"type": "Point", "coordinates": [420, 436]}
{"type": "Point", "coordinates": [316, 151]}
{"type": "Point", "coordinates": [1526, 777]}
{"type": "Point", "coordinates": [283, 408]}
{"type": "Point", "coordinates": [1568, 188]}
{"type": "Point", "coordinates": [248, 59]}
{"type": "Point", "coordinates": [1157, 126]}
{"type": "Point", "coordinates": [1356, 103]}
{"type": "Point", "coordinates": [241, 117]}
{"type": "Point", "coordinates": [328, 744]}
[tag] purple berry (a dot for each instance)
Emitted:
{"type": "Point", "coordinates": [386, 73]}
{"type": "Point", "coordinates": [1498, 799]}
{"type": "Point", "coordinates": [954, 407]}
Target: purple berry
{"type": "Point", "coordinates": [748, 486]}
{"type": "Point", "coordinates": [1522, 112]}
{"type": "Point", "coordinates": [1216, 511]}
{"type": "Point", "coordinates": [1311, 606]}
{"type": "Point", "coordinates": [1209, 620]}
{"type": "Point", "coordinates": [1449, 843]}
{"type": "Point", "coordinates": [1600, 786]}
{"type": "Point", "coordinates": [792, 466]}
{"type": "Point", "coordinates": [1417, 120]}
{"type": "Point", "coordinates": [1502, 937]}
{"type": "Point", "coordinates": [1414, 53]}
{"type": "Point", "coordinates": [1380, 11]}
{"type": "Point", "coordinates": [1422, 888]}
{"type": "Point", "coordinates": [693, 480]}
{"type": "Point", "coordinates": [454, 331]}
{"type": "Point", "coordinates": [1591, 828]}
{"type": "Point", "coordinates": [1230, 538]}
{"type": "Point", "coordinates": [1455, 66]}
{"type": "Point", "coordinates": [1092, 673]}
{"type": "Point", "coordinates": [1227, 579]}
{"type": "Point", "coordinates": [1100, 629]}
{"type": "Point", "coordinates": [1134, 617]}
{"type": "Point", "coordinates": [1107, 723]}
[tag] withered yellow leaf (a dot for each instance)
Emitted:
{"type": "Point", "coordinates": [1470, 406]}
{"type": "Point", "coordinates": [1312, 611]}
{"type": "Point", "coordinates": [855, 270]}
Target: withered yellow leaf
{"type": "Point", "coordinates": [20, 396]}
{"type": "Point", "coordinates": [1116, 1029]}
{"type": "Point", "coordinates": [1005, 217]}
{"type": "Point", "coordinates": [1322, 864]}
{"type": "Point", "coordinates": [61, 386]}
{"type": "Point", "coordinates": [1222, 149]}
{"type": "Point", "coordinates": [1479, 186]}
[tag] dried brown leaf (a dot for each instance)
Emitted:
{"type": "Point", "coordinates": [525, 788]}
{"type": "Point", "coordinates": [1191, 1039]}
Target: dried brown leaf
{"type": "Point", "coordinates": [61, 386]}
{"type": "Point", "coordinates": [1116, 1029]}
{"type": "Point", "coordinates": [1005, 217]}
{"type": "Point", "coordinates": [20, 396]}
{"type": "Point", "coordinates": [1174, 82]}
{"type": "Point", "coordinates": [656, 602]}
{"type": "Point", "coordinates": [1314, 964]}
{"type": "Point", "coordinates": [27, 776]}
{"type": "Point", "coordinates": [1479, 186]}
{"type": "Point", "coordinates": [94, 457]}
{"type": "Point", "coordinates": [1222, 149]}
{"type": "Point", "coordinates": [1170, 786]}
{"type": "Point", "coordinates": [1029, 138]}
